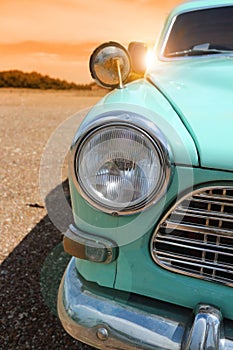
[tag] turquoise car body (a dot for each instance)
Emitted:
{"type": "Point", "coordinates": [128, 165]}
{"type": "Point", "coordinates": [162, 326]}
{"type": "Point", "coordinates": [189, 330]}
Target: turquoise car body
{"type": "Point", "coordinates": [135, 257]}
{"type": "Point", "coordinates": [190, 99]}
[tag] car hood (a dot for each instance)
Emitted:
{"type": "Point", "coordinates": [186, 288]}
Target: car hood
{"type": "Point", "coordinates": [201, 92]}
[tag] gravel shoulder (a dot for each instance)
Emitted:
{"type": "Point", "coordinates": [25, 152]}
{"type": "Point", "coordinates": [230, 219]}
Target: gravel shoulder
{"type": "Point", "coordinates": [31, 254]}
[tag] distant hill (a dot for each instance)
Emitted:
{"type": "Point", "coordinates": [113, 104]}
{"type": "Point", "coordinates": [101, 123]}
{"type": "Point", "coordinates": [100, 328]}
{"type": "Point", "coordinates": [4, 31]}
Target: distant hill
{"type": "Point", "coordinates": [34, 80]}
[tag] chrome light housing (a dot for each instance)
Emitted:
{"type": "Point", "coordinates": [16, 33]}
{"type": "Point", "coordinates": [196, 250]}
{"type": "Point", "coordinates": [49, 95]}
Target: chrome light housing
{"type": "Point", "coordinates": [121, 167]}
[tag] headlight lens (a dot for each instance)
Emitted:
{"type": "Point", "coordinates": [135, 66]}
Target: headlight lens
{"type": "Point", "coordinates": [120, 168]}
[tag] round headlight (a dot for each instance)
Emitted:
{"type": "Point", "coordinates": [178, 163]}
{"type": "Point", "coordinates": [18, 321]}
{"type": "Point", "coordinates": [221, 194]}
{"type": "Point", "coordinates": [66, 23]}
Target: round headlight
{"type": "Point", "coordinates": [120, 168]}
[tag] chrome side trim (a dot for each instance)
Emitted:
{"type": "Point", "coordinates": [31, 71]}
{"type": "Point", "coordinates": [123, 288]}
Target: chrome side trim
{"type": "Point", "coordinates": [116, 323]}
{"type": "Point", "coordinates": [129, 120]}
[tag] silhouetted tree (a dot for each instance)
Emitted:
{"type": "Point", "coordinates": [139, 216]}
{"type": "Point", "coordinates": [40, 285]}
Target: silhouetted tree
{"type": "Point", "coordinates": [34, 80]}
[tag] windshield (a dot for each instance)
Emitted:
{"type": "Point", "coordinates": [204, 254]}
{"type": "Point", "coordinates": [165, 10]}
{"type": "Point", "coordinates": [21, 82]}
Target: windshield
{"type": "Point", "coordinates": [211, 29]}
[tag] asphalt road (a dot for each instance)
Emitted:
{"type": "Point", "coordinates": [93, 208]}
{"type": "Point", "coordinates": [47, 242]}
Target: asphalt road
{"type": "Point", "coordinates": [33, 260]}
{"type": "Point", "coordinates": [29, 280]}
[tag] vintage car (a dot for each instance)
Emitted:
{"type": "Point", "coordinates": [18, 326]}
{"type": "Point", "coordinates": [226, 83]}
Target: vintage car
{"type": "Point", "coordinates": [151, 181]}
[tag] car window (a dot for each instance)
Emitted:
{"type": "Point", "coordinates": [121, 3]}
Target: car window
{"type": "Point", "coordinates": [201, 31]}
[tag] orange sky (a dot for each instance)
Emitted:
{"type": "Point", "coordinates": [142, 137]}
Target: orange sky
{"type": "Point", "coordinates": [56, 37]}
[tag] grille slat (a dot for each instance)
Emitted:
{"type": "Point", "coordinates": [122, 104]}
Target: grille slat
{"type": "Point", "coordinates": [170, 257]}
{"type": "Point", "coordinates": [198, 264]}
{"type": "Point", "coordinates": [213, 201]}
{"type": "Point", "coordinates": [202, 247]}
{"type": "Point", "coordinates": [204, 214]}
{"type": "Point", "coordinates": [197, 228]}
{"type": "Point", "coordinates": [161, 239]}
{"type": "Point", "coordinates": [214, 197]}
{"type": "Point", "coordinates": [196, 236]}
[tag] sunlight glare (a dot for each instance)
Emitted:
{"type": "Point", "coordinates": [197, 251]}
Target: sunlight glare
{"type": "Point", "coordinates": [150, 56]}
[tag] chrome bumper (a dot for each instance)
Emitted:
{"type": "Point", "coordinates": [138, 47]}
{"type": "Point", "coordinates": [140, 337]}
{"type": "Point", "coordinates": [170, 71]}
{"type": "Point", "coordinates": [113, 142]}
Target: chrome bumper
{"type": "Point", "coordinates": [105, 322]}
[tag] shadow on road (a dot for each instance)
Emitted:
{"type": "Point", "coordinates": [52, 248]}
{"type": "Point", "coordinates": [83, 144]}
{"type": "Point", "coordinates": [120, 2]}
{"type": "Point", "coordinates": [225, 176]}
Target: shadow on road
{"type": "Point", "coordinates": [29, 280]}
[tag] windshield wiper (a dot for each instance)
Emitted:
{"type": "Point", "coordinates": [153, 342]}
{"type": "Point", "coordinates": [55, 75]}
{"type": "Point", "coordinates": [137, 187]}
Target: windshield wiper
{"type": "Point", "coordinates": [200, 49]}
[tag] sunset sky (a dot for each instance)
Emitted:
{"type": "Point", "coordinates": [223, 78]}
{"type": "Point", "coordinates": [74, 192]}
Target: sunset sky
{"type": "Point", "coordinates": [56, 37]}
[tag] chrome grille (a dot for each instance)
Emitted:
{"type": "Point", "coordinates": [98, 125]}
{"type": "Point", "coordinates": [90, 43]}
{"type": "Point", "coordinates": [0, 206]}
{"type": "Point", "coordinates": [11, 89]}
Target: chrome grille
{"type": "Point", "coordinates": [196, 236]}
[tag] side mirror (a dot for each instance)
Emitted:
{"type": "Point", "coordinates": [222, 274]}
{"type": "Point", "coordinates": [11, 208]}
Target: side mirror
{"type": "Point", "coordinates": [138, 52]}
{"type": "Point", "coordinates": [110, 65]}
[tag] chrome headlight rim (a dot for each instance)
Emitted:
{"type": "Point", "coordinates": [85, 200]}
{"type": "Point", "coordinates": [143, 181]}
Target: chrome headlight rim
{"type": "Point", "coordinates": [135, 122]}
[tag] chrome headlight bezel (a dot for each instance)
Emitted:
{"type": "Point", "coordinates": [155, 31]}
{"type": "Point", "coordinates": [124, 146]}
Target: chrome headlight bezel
{"type": "Point", "coordinates": [140, 124]}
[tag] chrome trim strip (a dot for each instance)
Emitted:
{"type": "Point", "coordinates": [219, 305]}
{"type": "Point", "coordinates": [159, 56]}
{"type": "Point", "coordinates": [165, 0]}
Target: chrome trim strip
{"type": "Point", "coordinates": [109, 323]}
{"type": "Point", "coordinates": [165, 40]}
{"type": "Point", "coordinates": [139, 123]}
